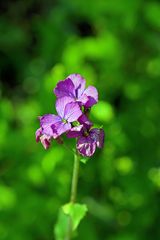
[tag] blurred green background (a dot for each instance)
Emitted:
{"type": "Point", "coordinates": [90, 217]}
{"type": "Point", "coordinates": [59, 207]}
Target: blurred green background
{"type": "Point", "coordinates": [115, 45]}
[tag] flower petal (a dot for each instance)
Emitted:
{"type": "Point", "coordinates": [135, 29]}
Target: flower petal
{"type": "Point", "coordinates": [85, 121]}
{"type": "Point", "coordinates": [79, 84]}
{"type": "Point", "coordinates": [97, 135]}
{"type": "Point", "coordinates": [86, 146]}
{"type": "Point", "coordinates": [72, 112]}
{"type": "Point", "coordinates": [83, 99]}
{"type": "Point", "coordinates": [92, 94]}
{"type": "Point", "coordinates": [65, 88]}
{"type": "Point", "coordinates": [61, 104]}
{"type": "Point", "coordinates": [46, 122]}
{"type": "Point", "coordinates": [38, 134]}
{"type": "Point", "coordinates": [59, 128]}
{"type": "Point", "coordinates": [75, 132]}
{"type": "Point", "coordinates": [46, 141]}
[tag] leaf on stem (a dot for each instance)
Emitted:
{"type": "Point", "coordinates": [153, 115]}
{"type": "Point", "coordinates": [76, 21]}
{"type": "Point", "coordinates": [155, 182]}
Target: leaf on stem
{"type": "Point", "coordinates": [84, 160]}
{"type": "Point", "coordinates": [76, 211]}
{"type": "Point", "coordinates": [60, 229]}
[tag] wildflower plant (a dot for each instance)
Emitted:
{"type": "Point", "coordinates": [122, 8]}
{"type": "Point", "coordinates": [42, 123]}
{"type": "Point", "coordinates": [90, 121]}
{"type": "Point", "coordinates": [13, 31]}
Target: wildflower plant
{"type": "Point", "coordinates": [73, 104]}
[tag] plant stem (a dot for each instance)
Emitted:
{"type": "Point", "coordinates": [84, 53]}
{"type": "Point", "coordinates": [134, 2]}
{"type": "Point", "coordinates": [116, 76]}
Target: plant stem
{"type": "Point", "coordinates": [73, 191]}
{"type": "Point", "coordinates": [75, 178]}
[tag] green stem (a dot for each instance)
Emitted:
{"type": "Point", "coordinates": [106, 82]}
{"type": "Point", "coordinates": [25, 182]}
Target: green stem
{"type": "Point", "coordinates": [75, 178]}
{"type": "Point", "coordinates": [73, 191]}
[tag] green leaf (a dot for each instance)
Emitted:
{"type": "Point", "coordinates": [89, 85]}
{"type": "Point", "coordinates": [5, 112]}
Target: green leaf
{"type": "Point", "coordinates": [84, 160]}
{"type": "Point", "coordinates": [75, 123]}
{"type": "Point", "coordinates": [76, 211]}
{"type": "Point", "coordinates": [60, 229]}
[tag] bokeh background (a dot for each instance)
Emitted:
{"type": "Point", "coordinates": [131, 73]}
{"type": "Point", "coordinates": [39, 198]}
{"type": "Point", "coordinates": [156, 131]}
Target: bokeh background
{"type": "Point", "coordinates": [115, 45]}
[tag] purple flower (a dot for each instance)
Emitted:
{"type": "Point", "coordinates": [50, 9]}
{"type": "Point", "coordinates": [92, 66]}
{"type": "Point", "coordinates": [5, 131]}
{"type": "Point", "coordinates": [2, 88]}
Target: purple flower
{"type": "Point", "coordinates": [55, 125]}
{"type": "Point", "coordinates": [88, 139]}
{"type": "Point", "coordinates": [74, 86]}
{"type": "Point", "coordinates": [43, 138]}
{"type": "Point", "coordinates": [71, 96]}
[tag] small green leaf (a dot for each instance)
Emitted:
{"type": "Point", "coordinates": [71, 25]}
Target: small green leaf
{"type": "Point", "coordinates": [76, 211]}
{"type": "Point", "coordinates": [75, 123]}
{"type": "Point", "coordinates": [60, 229]}
{"type": "Point", "coordinates": [82, 108]}
{"type": "Point", "coordinates": [84, 160]}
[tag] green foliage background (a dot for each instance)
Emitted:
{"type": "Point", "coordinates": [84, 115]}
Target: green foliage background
{"type": "Point", "coordinates": [115, 45]}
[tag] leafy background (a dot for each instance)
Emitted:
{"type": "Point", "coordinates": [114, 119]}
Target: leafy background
{"type": "Point", "coordinates": [115, 45]}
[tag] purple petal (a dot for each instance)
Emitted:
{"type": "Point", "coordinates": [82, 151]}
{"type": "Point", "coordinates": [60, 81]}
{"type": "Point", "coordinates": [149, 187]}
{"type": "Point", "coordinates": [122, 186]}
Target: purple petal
{"type": "Point", "coordinates": [100, 143]}
{"type": "Point", "coordinates": [46, 123]}
{"type": "Point", "coordinates": [83, 99]}
{"type": "Point", "coordinates": [48, 119]}
{"type": "Point", "coordinates": [61, 104]}
{"type": "Point", "coordinates": [92, 94]}
{"type": "Point", "coordinates": [59, 128]}
{"type": "Point", "coordinates": [65, 88]}
{"type": "Point", "coordinates": [72, 112]}
{"type": "Point", "coordinates": [46, 141]}
{"type": "Point", "coordinates": [86, 146]}
{"type": "Point", "coordinates": [98, 136]}
{"type": "Point", "coordinates": [38, 134]}
{"type": "Point", "coordinates": [79, 84]}
{"type": "Point", "coordinates": [85, 121]}
{"type": "Point", "coordinates": [75, 132]}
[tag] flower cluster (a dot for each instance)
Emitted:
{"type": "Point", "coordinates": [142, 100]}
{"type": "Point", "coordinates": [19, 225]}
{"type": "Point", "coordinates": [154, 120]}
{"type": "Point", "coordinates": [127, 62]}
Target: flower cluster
{"type": "Point", "coordinates": [73, 104]}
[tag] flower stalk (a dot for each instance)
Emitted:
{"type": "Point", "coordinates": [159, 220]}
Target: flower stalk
{"type": "Point", "coordinates": [75, 178]}
{"type": "Point", "coordinates": [73, 196]}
